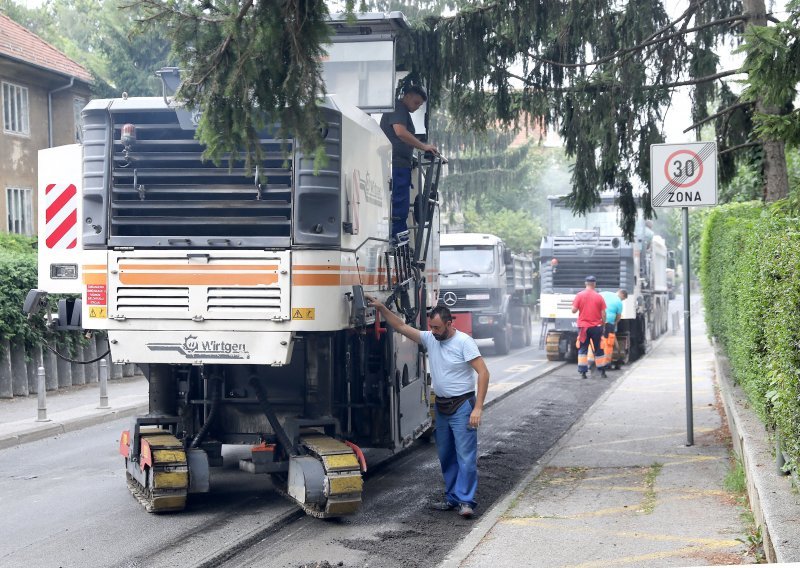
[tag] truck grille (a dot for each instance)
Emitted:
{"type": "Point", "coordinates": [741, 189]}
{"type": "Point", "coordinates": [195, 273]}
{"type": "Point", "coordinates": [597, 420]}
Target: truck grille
{"type": "Point", "coordinates": [135, 299]}
{"type": "Point", "coordinates": [465, 299]}
{"type": "Point", "coordinates": [571, 274]}
{"type": "Point", "coordinates": [214, 285]}
{"type": "Point", "coordinates": [164, 194]}
{"type": "Point", "coordinates": [236, 298]}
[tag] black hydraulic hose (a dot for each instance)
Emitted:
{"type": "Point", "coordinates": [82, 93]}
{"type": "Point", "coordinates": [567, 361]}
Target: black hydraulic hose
{"type": "Point", "coordinates": [269, 412]}
{"type": "Point", "coordinates": [65, 358]}
{"type": "Point", "coordinates": [212, 414]}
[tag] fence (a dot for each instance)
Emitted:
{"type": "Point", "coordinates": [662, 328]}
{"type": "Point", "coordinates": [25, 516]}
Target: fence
{"type": "Point", "coordinates": [18, 366]}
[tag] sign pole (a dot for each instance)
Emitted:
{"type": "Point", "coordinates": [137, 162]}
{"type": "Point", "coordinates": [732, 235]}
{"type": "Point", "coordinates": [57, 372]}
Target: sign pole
{"type": "Point", "coordinates": [687, 330]}
{"type": "Point", "coordinates": [684, 175]}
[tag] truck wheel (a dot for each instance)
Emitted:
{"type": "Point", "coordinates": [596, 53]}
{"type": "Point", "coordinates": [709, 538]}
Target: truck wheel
{"type": "Point", "coordinates": [571, 353]}
{"type": "Point", "coordinates": [502, 340]}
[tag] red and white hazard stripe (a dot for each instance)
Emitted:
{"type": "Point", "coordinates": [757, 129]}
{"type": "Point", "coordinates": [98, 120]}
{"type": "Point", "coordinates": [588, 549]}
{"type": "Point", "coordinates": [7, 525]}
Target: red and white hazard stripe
{"type": "Point", "coordinates": [61, 216]}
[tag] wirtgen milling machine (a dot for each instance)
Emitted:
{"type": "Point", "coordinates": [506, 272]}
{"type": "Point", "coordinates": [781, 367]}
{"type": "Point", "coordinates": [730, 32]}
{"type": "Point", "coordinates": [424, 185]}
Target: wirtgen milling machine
{"type": "Point", "coordinates": [241, 296]}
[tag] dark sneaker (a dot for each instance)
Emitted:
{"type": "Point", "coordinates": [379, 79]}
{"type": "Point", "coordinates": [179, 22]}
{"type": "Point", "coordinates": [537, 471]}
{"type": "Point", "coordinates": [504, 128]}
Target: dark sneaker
{"type": "Point", "coordinates": [443, 506]}
{"type": "Point", "coordinates": [603, 373]}
{"type": "Point", "coordinates": [583, 375]}
{"type": "Point", "coordinates": [465, 511]}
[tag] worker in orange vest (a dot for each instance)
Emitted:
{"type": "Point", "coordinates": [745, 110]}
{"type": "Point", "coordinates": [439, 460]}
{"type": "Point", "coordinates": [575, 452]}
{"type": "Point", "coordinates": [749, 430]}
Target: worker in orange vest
{"type": "Point", "coordinates": [614, 308]}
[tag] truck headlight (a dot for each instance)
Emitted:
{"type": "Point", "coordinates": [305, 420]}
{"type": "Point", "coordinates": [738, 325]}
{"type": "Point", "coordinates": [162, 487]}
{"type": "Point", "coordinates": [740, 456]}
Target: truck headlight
{"type": "Point", "coordinates": [485, 320]}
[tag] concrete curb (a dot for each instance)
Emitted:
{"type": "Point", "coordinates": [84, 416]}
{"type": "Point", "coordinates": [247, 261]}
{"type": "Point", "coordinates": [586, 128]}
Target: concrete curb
{"type": "Point", "coordinates": [488, 520]}
{"type": "Point", "coordinates": [41, 430]}
{"type": "Point", "coordinates": [775, 503]}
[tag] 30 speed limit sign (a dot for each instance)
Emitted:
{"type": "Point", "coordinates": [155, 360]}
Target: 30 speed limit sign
{"type": "Point", "coordinates": [683, 175]}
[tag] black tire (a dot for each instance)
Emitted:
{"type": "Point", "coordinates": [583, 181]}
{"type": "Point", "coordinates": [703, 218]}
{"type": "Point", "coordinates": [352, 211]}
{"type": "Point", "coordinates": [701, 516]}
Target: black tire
{"type": "Point", "coordinates": [639, 332]}
{"type": "Point", "coordinates": [502, 341]}
{"type": "Point", "coordinates": [571, 354]}
{"type": "Point", "coordinates": [518, 337]}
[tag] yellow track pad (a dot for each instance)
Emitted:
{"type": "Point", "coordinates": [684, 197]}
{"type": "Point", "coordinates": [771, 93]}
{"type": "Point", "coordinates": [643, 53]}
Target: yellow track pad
{"type": "Point", "coordinates": [340, 485]}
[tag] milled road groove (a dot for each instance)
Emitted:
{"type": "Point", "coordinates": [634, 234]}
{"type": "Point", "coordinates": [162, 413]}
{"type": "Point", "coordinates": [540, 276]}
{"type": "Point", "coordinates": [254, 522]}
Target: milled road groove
{"type": "Point", "coordinates": [282, 523]}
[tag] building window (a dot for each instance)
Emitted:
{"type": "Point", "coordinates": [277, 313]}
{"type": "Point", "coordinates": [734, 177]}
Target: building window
{"type": "Point", "coordinates": [77, 106]}
{"type": "Point", "coordinates": [19, 204]}
{"type": "Point", "coordinates": [15, 109]}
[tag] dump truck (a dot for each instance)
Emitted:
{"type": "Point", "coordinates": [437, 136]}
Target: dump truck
{"type": "Point", "coordinates": [488, 288]}
{"type": "Point", "coordinates": [241, 293]}
{"type": "Point", "coordinates": [592, 244]}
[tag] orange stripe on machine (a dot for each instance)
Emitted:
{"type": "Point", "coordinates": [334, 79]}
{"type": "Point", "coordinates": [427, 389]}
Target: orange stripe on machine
{"type": "Point", "coordinates": [200, 267]}
{"type": "Point", "coordinates": [197, 278]}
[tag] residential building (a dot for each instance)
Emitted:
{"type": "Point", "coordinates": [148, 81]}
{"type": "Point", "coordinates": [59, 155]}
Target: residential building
{"type": "Point", "coordinates": [42, 92]}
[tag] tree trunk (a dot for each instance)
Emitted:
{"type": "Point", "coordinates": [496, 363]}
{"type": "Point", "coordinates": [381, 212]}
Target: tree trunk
{"type": "Point", "coordinates": [776, 176]}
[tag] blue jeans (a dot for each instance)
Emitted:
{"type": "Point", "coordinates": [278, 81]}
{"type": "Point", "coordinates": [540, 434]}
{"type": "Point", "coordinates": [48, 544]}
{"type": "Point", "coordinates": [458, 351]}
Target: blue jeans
{"type": "Point", "coordinates": [457, 445]}
{"type": "Point", "coordinates": [401, 198]}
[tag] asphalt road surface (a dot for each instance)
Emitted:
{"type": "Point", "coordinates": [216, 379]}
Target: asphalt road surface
{"type": "Point", "coordinates": [64, 503]}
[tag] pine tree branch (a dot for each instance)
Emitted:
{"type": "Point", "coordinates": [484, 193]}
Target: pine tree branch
{"type": "Point", "coordinates": [720, 113]}
{"type": "Point", "coordinates": [607, 87]}
{"type": "Point", "coordinates": [220, 51]}
{"type": "Point", "coordinates": [696, 81]}
{"type": "Point", "coordinates": [160, 10]}
{"type": "Point", "coordinates": [639, 46]}
{"type": "Point", "coordinates": [739, 147]}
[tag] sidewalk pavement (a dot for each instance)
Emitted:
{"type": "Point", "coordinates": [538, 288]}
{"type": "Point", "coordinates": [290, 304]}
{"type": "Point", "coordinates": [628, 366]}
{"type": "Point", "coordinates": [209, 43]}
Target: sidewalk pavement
{"type": "Point", "coordinates": [70, 410]}
{"type": "Point", "coordinates": [621, 488]}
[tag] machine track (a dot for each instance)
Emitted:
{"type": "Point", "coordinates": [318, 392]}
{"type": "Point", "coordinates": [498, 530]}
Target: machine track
{"type": "Point", "coordinates": [551, 346]}
{"type": "Point", "coordinates": [162, 480]}
{"type": "Point", "coordinates": [342, 483]}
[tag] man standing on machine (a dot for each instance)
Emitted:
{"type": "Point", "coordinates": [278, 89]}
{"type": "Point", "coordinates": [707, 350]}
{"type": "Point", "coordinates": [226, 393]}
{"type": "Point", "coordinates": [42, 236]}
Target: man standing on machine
{"type": "Point", "coordinates": [399, 129]}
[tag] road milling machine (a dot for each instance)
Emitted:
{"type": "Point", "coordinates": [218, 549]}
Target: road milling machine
{"type": "Point", "coordinates": [241, 295]}
{"type": "Point", "coordinates": [578, 246]}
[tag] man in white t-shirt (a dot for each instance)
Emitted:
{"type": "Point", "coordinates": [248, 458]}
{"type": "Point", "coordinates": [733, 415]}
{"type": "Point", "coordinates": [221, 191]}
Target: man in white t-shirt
{"type": "Point", "coordinates": [454, 360]}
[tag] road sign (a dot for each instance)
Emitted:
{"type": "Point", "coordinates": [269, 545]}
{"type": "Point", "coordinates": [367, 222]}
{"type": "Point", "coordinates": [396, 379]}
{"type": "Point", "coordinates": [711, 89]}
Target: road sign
{"type": "Point", "coordinates": [683, 175]}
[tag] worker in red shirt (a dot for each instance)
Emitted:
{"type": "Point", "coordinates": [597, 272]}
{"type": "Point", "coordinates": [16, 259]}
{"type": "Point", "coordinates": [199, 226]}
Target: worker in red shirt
{"type": "Point", "coordinates": [591, 309]}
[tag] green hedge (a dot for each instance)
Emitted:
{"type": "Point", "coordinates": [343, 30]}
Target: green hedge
{"type": "Point", "coordinates": [750, 272]}
{"type": "Point", "coordinates": [17, 276]}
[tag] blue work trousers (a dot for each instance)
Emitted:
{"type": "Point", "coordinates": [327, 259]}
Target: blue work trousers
{"type": "Point", "coordinates": [457, 445]}
{"type": "Point", "coordinates": [401, 199]}
{"type": "Point", "coordinates": [595, 335]}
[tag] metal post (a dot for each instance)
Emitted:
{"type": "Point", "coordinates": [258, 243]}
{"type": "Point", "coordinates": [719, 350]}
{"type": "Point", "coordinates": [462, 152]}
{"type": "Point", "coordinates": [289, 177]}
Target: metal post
{"type": "Point", "coordinates": [103, 384]}
{"type": "Point", "coordinates": [687, 330]}
{"type": "Point", "coordinates": [41, 393]}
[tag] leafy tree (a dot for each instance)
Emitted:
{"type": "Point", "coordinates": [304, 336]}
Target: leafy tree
{"type": "Point", "coordinates": [773, 72]}
{"type": "Point", "coordinates": [100, 36]}
{"type": "Point", "coordinates": [600, 71]}
{"type": "Point", "coordinates": [517, 229]}
{"type": "Point", "coordinates": [131, 56]}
